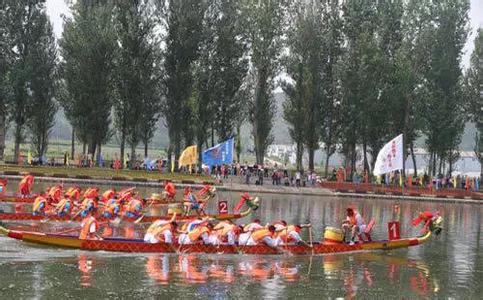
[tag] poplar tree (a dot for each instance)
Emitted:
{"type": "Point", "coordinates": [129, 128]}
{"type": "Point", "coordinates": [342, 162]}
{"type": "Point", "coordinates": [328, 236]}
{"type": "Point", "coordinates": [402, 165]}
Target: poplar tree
{"type": "Point", "coordinates": [43, 84]}
{"type": "Point", "coordinates": [184, 27]}
{"type": "Point", "coordinates": [474, 91]}
{"type": "Point", "coordinates": [265, 23]}
{"type": "Point", "coordinates": [136, 77]}
{"type": "Point", "coordinates": [88, 47]}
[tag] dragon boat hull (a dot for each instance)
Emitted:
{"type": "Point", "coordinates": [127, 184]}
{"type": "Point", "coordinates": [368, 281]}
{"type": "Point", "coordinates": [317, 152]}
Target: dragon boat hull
{"type": "Point", "coordinates": [145, 219]}
{"type": "Point", "coordinates": [16, 198]}
{"type": "Point", "coordinates": [139, 246]}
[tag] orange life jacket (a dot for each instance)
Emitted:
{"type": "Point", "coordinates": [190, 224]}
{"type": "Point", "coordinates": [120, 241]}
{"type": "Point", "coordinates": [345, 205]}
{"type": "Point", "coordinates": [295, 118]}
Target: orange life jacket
{"type": "Point", "coordinates": [285, 234]}
{"type": "Point", "coordinates": [37, 202]}
{"type": "Point", "coordinates": [258, 235]}
{"type": "Point", "coordinates": [55, 193]}
{"type": "Point", "coordinates": [107, 195]}
{"type": "Point", "coordinates": [352, 219]}
{"type": "Point", "coordinates": [223, 228]}
{"type": "Point", "coordinates": [196, 233]}
{"type": "Point", "coordinates": [73, 193]}
{"type": "Point", "coordinates": [158, 231]}
{"type": "Point", "coordinates": [91, 193]}
{"type": "Point", "coordinates": [86, 225]}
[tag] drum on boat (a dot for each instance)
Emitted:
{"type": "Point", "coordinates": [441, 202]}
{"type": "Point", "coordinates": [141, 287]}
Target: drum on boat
{"type": "Point", "coordinates": [333, 235]}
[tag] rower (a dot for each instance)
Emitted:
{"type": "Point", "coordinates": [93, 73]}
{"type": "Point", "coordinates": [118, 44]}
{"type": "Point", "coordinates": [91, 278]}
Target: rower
{"type": "Point", "coordinates": [108, 195]}
{"type": "Point", "coordinates": [169, 191]}
{"type": "Point", "coordinates": [73, 193]}
{"type": "Point", "coordinates": [280, 225]}
{"type": "Point", "coordinates": [64, 207]}
{"type": "Point", "coordinates": [91, 193]}
{"type": "Point", "coordinates": [201, 232]}
{"type": "Point", "coordinates": [353, 224]}
{"type": "Point", "coordinates": [190, 202]}
{"type": "Point", "coordinates": [111, 208]}
{"type": "Point", "coordinates": [25, 186]}
{"type": "Point", "coordinates": [225, 232]}
{"type": "Point", "coordinates": [134, 208]}
{"type": "Point", "coordinates": [265, 235]}
{"type": "Point", "coordinates": [55, 193]}
{"type": "Point", "coordinates": [161, 231]}
{"type": "Point", "coordinates": [39, 206]}
{"type": "Point", "coordinates": [248, 230]}
{"type": "Point", "coordinates": [89, 228]}
{"type": "Point", "coordinates": [291, 234]}
{"type": "Point", "coordinates": [88, 206]}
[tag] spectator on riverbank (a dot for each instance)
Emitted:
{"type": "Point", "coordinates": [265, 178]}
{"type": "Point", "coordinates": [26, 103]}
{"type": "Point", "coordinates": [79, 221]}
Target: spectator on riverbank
{"type": "Point", "coordinates": [298, 177]}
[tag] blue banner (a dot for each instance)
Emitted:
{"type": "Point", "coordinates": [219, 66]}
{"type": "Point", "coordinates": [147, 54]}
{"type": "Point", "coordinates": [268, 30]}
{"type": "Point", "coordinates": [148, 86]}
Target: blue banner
{"type": "Point", "coordinates": [219, 154]}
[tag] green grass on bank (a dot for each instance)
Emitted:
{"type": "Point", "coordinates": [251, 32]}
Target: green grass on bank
{"type": "Point", "coordinates": [103, 173]}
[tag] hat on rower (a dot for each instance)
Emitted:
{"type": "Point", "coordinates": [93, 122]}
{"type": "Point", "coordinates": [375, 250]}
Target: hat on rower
{"type": "Point", "coordinates": [155, 197]}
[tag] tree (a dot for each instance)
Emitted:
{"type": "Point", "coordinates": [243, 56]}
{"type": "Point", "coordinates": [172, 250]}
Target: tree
{"type": "Point", "coordinates": [7, 17]}
{"type": "Point", "coordinates": [230, 64]}
{"type": "Point", "coordinates": [474, 91]}
{"type": "Point", "coordinates": [88, 48]}
{"type": "Point", "coordinates": [294, 113]}
{"type": "Point", "coordinates": [361, 105]}
{"type": "Point", "coordinates": [443, 112]}
{"type": "Point", "coordinates": [265, 23]}
{"type": "Point", "coordinates": [28, 31]}
{"type": "Point", "coordinates": [330, 108]}
{"type": "Point", "coordinates": [410, 65]}
{"type": "Point", "coordinates": [184, 26]}
{"type": "Point", "coordinates": [137, 99]}
{"type": "Point", "coordinates": [43, 85]}
{"type": "Point", "coordinates": [307, 55]}
{"type": "Point", "coordinates": [202, 100]}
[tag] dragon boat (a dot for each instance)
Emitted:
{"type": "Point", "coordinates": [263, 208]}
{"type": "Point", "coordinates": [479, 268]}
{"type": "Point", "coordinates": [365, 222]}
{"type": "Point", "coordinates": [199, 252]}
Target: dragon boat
{"type": "Point", "coordinates": [17, 198]}
{"type": "Point", "coordinates": [145, 219]}
{"type": "Point", "coordinates": [251, 206]}
{"type": "Point", "coordinates": [139, 246]}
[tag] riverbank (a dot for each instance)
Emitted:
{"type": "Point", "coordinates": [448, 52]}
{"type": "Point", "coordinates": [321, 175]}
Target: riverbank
{"type": "Point", "coordinates": [64, 173]}
{"type": "Point", "coordinates": [254, 189]}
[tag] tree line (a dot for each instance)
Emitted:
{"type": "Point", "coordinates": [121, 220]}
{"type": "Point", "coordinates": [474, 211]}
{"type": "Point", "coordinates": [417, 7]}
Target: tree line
{"type": "Point", "coordinates": [356, 73]}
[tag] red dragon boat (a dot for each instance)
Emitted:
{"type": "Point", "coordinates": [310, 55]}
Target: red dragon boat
{"type": "Point", "coordinates": [145, 219]}
{"type": "Point", "coordinates": [139, 246]}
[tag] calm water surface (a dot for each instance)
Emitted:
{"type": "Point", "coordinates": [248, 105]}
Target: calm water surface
{"type": "Point", "coordinates": [449, 266]}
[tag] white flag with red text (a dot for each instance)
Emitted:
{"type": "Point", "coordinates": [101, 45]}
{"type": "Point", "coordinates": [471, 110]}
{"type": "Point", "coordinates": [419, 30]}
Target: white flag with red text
{"type": "Point", "coordinates": [390, 158]}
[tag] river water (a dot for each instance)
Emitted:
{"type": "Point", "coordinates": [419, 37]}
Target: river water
{"type": "Point", "coordinates": [449, 266]}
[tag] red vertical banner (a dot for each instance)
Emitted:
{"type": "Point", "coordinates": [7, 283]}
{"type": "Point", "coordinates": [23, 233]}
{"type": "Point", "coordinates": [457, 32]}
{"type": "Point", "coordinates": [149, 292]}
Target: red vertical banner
{"type": "Point", "coordinates": [222, 207]}
{"type": "Point", "coordinates": [394, 230]}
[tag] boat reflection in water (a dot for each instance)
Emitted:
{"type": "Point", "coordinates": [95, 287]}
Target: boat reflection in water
{"type": "Point", "coordinates": [86, 266]}
{"type": "Point", "coordinates": [344, 275]}
{"type": "Point", "coordinates": [358, 271]}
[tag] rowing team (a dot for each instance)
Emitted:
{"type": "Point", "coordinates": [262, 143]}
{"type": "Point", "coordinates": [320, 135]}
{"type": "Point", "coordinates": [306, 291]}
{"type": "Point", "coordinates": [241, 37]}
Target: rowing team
{"type": "Point", "coordinates": [126, 201]}
{"type": "Point", "coordinates": [205, 231]}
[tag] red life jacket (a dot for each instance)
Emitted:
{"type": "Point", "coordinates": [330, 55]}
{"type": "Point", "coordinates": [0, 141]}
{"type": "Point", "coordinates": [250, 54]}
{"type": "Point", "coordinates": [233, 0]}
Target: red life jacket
{"type": "Point", "coordinates": [170, 189]}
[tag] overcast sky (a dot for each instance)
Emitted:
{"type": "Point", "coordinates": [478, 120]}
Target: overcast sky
{"type": "Point", "coordinates": [57, 8]}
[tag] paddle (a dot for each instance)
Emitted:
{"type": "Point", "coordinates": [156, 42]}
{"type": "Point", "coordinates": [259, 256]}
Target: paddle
{"type": "Point", "coordinates": [310, 239]}
{"type": "Point", "coordinates": [74, 216]}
